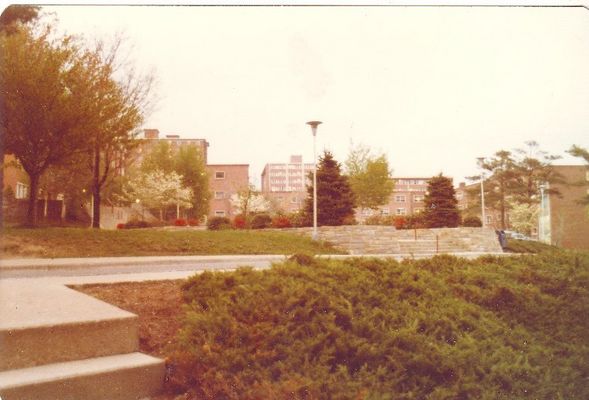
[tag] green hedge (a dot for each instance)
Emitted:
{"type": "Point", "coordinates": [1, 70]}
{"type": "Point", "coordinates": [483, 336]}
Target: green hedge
{"type": "Point", "coordinates": [441, 328]}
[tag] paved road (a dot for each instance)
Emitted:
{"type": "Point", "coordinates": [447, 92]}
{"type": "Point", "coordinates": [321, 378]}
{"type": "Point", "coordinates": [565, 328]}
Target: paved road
{"type": "Point", "coordinates": [121, 269]}
{"type": "Point", "coordinates": [86, 267]}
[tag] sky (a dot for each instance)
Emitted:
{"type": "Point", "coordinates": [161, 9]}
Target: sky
{"type": "Point", "coordinates": [432, 88]}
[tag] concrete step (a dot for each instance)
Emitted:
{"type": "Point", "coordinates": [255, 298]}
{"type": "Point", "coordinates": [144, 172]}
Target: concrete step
{"type": "Point", "coordinates": [118, 377]}
{"type": "Point", "coordinates": [43, 323]}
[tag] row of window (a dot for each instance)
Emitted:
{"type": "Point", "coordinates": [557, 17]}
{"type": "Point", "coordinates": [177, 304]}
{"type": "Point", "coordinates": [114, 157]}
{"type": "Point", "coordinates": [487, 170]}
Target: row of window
{"type": "Point", "coordinates": [401, 198]}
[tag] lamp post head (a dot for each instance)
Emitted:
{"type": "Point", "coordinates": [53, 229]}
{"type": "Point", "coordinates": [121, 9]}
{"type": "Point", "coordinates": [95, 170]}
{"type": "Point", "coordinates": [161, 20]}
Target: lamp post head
{"type": "Point", "coordinates": [314, 125]}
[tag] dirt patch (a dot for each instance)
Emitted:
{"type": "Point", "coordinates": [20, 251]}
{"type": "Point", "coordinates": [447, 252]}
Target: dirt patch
{"type": "Point", "coordinates": [158, 306]}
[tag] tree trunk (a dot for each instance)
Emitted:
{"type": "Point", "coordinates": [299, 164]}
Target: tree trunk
{"type": "Point", "coordinates": [96, 190]}
{"type": "Point", "coordinates": [33, 206]}
{"type": "Point", "coordinates": [1, 182]}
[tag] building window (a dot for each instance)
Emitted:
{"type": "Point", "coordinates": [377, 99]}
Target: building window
{"type": "Point", "coordinates": [417, 198]}
{"type": "Point", "coordinates": [400, 211]}
{"type": "Point", "coordinates": [489, 219]}
{"type": "Point", "coordinates": [219, 195]}
{"type": "Point", "coordinates": [384, 211]}
{"type": "Point", "coordinates": [22, 191]}
{"type": "Point", "coordinates": [219, 213]}
{"type": "Point", "coordinates": [400, 199]}
{"type": "Point", "coordinates": [219, 174]}
{"type": "Point", "coordinates": [418, 210]}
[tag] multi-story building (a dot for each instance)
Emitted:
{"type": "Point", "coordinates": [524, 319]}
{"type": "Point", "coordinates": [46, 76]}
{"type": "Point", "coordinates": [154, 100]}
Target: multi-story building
{"type": "Point", "coordinates": [406, 199]}
{"type": "Point", "coordinates": [287, 177]}
{"type": "Point", "coordinates": [469, 204]}
{"type": "Point", "coordinates": [152, 136]}
{"type": "Point", "coordinates": [285, 184]}
{"type": "Point", "coordinates": [226, 180]}
{"type": "Point", "coordinates": [564, 219]}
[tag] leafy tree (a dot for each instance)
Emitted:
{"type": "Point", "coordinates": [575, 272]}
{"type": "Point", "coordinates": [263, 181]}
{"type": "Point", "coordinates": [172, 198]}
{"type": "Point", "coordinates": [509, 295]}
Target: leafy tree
{"type": "Point", "coordinates": [369, 177]}
{"type": "Point", "coordinates": [440, 203]}
{"type": "Point", "coordinates": [119, 109]}
{"type": "Point", "coordinates": [501, 182]}
{"type": "Point", "coordinates": [247, 201]}
{"type": "Point", "coordinates": [15, 15]}
{"type": "Point", "coordinates": [158, 190]}
{"type": "Point", "coordinates": [11, 18]}
{"type": "Point", "coordinates": [44, 103]}
{"type": "Point", "coordinates": [335, 199]}
{"type": "Point", "coordinates": [578, 151]}
{"type": "Point", "coordinates": [190, 165]}
{"type": "Point", "coordinates": [533, 167]}
{"type": "Point", "coordinates": [159, 158]}
{"type": "Point", "coordinates": [523, 217]}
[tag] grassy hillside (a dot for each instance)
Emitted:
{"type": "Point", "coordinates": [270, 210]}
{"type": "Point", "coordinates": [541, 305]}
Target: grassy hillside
{"type": "Point", "coordinates": [81, 242]}
{"type": "Point", "coordinates": [442, 328]}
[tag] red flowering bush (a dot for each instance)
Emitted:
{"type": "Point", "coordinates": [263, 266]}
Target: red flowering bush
{"type": "Point", "coordinates": [180, 222]}
{"type": "Point", "coordinates": [239, 222]}
{"type": "Point", "coordinates": [121, 226]}
{"type": "Point", "coordinates": [400, 222]}
{"type": "Point", "coordinates": [193, 222]}
{"type": "Point", "coordinates": [281, 221]}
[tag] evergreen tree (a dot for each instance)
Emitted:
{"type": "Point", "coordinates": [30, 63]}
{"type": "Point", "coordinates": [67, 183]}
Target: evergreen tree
{"type": "Point", "coordinates": [440, 204]}
{"type": "Point", "coordinates": [335, 199]}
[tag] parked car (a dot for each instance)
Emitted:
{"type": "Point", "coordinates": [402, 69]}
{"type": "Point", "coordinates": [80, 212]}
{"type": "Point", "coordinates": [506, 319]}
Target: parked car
{"type": "Point", "coordinates": [517, 235]}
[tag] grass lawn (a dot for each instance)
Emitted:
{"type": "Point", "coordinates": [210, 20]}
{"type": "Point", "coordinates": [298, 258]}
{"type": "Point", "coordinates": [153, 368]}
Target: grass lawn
{"type": "Point", "coordinates": [83, 242]}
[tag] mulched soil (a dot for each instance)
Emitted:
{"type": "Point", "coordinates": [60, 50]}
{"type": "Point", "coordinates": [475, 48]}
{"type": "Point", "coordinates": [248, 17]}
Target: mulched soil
{"type": "Point", "coordinates": [158, 306]}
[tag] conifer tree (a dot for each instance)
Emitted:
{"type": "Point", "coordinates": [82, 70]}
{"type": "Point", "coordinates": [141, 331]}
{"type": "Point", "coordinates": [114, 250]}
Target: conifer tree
{"type": "Point", "coordinates": [335, 199]}
{"type": "Point", "coordinates": [440, 204]}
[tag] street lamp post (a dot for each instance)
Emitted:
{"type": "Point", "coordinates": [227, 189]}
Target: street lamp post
{"type": "Point", "coordinates": [314, 125]}
{"type": "Point", "coordinates": [541, 218]}
{"type": "Point", "coordinates": [481, 159]}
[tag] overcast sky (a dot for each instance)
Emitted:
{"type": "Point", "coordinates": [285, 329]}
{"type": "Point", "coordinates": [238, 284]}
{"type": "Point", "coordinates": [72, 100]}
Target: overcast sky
{"type": "Point", "coordinates": [431, 87]}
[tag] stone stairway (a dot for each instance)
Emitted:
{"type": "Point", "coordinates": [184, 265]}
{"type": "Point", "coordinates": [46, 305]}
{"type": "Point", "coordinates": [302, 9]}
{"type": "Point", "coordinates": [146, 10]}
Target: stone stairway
{"type": "Point", "coordinates": [56, 343]}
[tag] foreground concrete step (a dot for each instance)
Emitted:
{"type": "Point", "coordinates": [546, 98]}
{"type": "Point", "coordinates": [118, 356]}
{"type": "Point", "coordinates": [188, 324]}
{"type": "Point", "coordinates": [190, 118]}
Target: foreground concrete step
{"type": "Point", "coordinates": [43, 323]}
{"type": "Point", "coordinates": [120, 377]}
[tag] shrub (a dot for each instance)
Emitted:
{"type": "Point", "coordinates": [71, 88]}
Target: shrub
{"type": "Point", "coordinates": [193, 222]}
{"type": "Point", "coordinates": [239, 222]}
{"type": "Point", "coordinates": [135, 223]}
{"type": "Point", "coordinates": [261, 221]}
{"type": "Point", "coordinates": [218, 223]}
{"type": "Point", "coordinates": [386, 220]}
{"type": "Point", "coordinates": [281, 221]}
{"type": "Point", "coordinates": [180, 222]}
{"type": "Point", "coordinates": [121, 226]}
{"type": "Point", "coordinates": [415, 221]}
{"type": "Point", "coordinates": [400, 222]}
{"type": "Point", "coordinates": [439, 328]}
{"type": "Point", "coordinates": [472, 221]}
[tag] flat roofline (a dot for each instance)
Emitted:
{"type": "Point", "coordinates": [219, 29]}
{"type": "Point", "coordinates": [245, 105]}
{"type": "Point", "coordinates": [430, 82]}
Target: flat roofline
{"type": "Point", "coordinates": [227, 165]}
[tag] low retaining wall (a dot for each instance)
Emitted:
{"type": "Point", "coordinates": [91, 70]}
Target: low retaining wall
{"type": "Point", "coordinates": [377, 239]}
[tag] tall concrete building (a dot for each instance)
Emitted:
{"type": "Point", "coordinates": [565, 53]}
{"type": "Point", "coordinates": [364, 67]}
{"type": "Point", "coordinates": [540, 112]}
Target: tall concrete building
{"type": "Point", "coordinates": [285, 184]}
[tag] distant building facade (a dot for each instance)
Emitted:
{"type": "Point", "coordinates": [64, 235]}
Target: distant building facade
{"type": "Point", "coordinates": [284, 185]}
{"type": "Point", "coordinates": [469, 205]}
{"type": "Point", "coordinates": [225, 180]}
{"type": "Point", "coordinates": [152, 136]}
{"type": "Point", "coordinates": [564, 219]}
{"type": "Point", "coordinates": [406, 199]}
